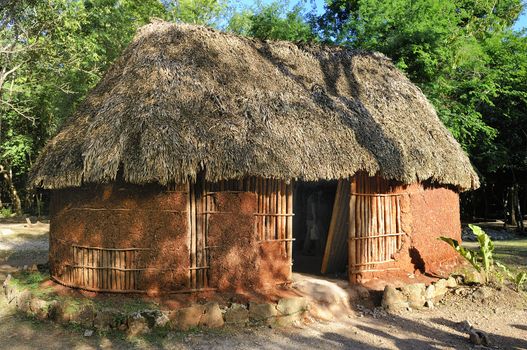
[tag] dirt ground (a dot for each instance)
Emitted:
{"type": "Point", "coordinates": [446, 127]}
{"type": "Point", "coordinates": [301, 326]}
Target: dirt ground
{"type": "Point", "coordinates": [501, 314]}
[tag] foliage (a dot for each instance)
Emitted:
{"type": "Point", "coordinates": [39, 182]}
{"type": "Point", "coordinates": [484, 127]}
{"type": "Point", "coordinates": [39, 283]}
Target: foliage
{"type": "Point", "coordinates": [519, 278]}
{"type": "Point", "coordinates": [206, 12]}
{"type": "Point", "coordinates": [53, 52]}
{"type": "Point", "coordinates": [469, 255]}
{"type": "Point", "coordinates": [273, 21]}
{"type": "Point", "coordinates": [483, 260]}
{"type": "Point", "coordinates": [6, 212]}
{"type": "Point", "coordinates": [486, 247]}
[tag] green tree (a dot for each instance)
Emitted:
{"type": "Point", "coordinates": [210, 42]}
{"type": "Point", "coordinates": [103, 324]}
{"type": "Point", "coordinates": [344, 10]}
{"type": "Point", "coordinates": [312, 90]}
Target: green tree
{"type": "Point", "coordinates": [206, 12]}
{"type": "Point", "coordinates": [52, 53]}
{"type": "Point", "coordinates": [273, 21]}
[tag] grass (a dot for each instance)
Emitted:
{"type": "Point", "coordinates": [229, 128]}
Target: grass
{"type": "Point", "coordinates": [512, 253]}
{"type": "Point", "coordinates": [32, 281]}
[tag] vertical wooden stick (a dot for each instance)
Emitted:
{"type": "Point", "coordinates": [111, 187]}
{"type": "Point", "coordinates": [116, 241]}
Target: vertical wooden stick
{"type": "Point", "coordinates": [289, 190]}
{"type": "Point", "coordinates": [189, 232]}
{"type": "Point", "coordinates": [206, 257]}
{"type": "Point", "coordinates": [352, 245]}
{"type": "Point", "coordinates": [193, 235]}
{"type": "Point", "coordinates": [279, 209]}
{"type": "Point", "coordinates": [199, 232]}
{"type": "Point", "coordinates": [399, 228]}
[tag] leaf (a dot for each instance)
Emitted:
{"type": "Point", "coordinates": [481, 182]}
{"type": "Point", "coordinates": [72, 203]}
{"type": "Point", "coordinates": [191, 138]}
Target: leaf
{"type": "Point", "coordinates": [468, 254]}
{"type": "Point", "coordinates": [521, 279]}
{"type": "Point", "coordinates": [486, 247]}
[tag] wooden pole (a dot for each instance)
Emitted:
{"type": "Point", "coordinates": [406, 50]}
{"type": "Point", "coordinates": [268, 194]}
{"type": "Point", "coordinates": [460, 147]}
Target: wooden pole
{"type": "Point", "coordinates": [352, 245]}
{"type": "Point", "coordinates": [289, 190]}
{"type": "Point", "coordinates": [332, 228]}
{"type": "Point", "coordinates": [272, 209]}
{"type": "Point", "coordinates": [206, 257]}
{"type": "Point", "coordinates": [279, 209]}
{"type": "Point", "coordinates": [193, 235]}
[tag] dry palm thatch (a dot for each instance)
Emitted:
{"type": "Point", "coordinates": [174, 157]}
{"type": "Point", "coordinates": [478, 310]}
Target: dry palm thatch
{"type": "Point", "coordinates": [184, 98]}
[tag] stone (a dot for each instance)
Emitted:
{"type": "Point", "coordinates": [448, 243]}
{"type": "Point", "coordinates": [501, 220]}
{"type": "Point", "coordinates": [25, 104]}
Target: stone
{"type": "Point", "coordinates": [292, 305]}
{"type": "Point", "coordinates": [9, 289]}
{"type": "Point", "coordinates": [237, 314]}
{"type": "Point", "coordinates": [137, 325]}
{"type": "Point", "coordinates": [84, 316]}
{"type": "Point", "coordinates": [162, 321]}
{"type": "Point", "coordinates": [393, 299]}
{"type": "Point", "coordinates": [151, 316]}
{"type": "Point", "coordinates": [429, 304]}
{"type": "Point", "coordinates": [482, 293]}
{"type": "Point", "coordinates": [286, 320]}
{"type": "Point", "coordinates": [186, 318]}
{"type": "Point", "coordinates": [23, 300]}
{"type": "Point", "coordinates": [212, 318]}
{"type": "Point", "coordinates": [39, 308]}
{"type": "Point", "coordinates": [55, 311]}
{"type": "Point", "coordinates": [262, 313]}
{"type": "Point", "coordinates": [440, 289]}
{"type": "Point", "coordinates": [473, 277]}
{"type": "Point", "coordinates": [465, 326]}
{"type": "Point", "coordinates": [478, 337]}
{"type": "Point", "coordinates": [451, 282]}
{"type": "Point", "coordinates": [362, 291]}
{"type": "Point", "coordinates": [88, 333]}
{"type": "Point", "coordinates": [430, 292]}
{"type": "Point", "coordinates": [324, 292]}
{"type": "Point", "coordinates": [107, 319]}
{"type": "Point", "coordinates": [415, 294]}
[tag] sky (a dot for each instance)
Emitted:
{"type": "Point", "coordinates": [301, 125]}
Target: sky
{"type": "Point", "coordinates": [521, 23]}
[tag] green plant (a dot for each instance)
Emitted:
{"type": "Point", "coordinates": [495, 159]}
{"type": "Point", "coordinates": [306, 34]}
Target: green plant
{"type": "Point", "coordinates": [6, 212]}
{"type": "Point", "coordinates": [483, 260]}
{"type": "Point", "coordinates": [518, 278]}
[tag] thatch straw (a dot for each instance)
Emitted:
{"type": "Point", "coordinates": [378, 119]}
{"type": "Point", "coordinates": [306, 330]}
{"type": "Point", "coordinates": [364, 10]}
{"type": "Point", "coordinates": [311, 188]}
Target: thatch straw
{"type": "Point", "coordinates": [184, 98]}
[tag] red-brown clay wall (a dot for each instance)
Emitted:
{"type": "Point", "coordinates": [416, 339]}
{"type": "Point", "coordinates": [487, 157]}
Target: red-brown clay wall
{"type": "Point", "coordinates": [238, 261]}
{"type": "Point", "coordinates": [126, 216]}
{"type": "Point", "coordinates": [434, 213]}
{"type": "Point", "coordinates": [427, 213]}
{"type": "Point", "coordinates": [116, 216]}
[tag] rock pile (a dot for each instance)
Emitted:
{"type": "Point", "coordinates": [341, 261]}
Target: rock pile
{"type": "Point", "coordinates": [209, 315]}
{"type": "Point", "coordinates": [416, 295]}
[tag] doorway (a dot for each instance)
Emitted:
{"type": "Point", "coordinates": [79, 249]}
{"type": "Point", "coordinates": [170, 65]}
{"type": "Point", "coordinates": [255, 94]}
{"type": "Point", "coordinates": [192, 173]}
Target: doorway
{"type": "Point", "coordinates": [313, 207]}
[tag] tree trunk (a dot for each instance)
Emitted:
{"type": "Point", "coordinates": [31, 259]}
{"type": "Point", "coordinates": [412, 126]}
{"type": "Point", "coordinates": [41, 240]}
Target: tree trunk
{"type": "Point", "coordinates": [519, 215]}
{"type": "Point", "coordinates": [512, 209]}
{"type": "Point", "coordinates": [15, 199]}
{"type": "Point", "coordinates": [506, 208]}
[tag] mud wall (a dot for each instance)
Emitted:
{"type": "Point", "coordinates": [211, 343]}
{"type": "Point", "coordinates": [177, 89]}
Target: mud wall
{"type": "Point", "coordinates": [238, 261]}
{"type": "Point", "coordinates": [427, 212]}
{"type": "Point", "coordinates": [116, 216]}
{"type": "Point", "coordinates": [434, 212]}
{"type": "Point", "coordinates": [124, 216]}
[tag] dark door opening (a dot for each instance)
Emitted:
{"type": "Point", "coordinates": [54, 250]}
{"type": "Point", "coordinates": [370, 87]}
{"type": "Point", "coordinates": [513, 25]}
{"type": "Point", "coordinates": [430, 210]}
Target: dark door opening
{"type": "Point", "coordinates": [313, 207]}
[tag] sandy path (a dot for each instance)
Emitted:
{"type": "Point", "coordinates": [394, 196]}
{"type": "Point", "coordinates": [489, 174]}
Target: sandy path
{"type": "Point", "coordinates": [24, 244]}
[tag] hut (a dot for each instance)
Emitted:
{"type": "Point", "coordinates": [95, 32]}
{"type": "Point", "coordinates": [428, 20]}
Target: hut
{"type": "Point", "coordinates": [201, 159]}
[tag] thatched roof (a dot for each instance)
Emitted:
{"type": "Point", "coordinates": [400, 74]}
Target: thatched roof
{"type": "Point", "coordinates": [185, 98]}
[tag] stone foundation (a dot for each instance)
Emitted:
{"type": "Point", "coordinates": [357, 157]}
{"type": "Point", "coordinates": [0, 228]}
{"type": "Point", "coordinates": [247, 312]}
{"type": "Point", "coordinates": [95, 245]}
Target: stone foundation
{"type": "Point", "coordinates": [209, 315]}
